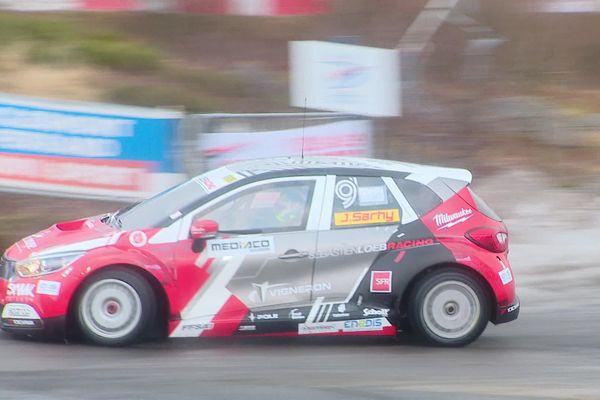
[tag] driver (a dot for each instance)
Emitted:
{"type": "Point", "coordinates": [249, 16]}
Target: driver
{"type": "Point", "coordinates": [289, 208]}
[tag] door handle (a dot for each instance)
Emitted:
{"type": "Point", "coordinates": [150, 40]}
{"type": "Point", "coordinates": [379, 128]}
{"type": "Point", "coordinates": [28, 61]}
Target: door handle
{"type": "Point", "coordinates": [291, 254]}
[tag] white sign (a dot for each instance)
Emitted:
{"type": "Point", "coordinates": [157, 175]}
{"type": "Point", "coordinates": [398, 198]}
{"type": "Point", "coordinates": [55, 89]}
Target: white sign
{"type": "Point", "coordinates": [346, 78]}
{"type": "Point", "coordinates": [345, 138]}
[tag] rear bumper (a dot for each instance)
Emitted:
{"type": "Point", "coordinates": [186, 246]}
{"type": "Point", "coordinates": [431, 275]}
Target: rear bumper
{"type": "Point", "coordinates": [507, 313]}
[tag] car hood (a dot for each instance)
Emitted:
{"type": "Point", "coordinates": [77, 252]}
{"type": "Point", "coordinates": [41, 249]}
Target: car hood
{"type": "Point", "coordinates": [78, 235]}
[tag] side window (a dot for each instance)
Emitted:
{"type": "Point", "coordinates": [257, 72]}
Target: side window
{"type": "Point", "coordinates": [273, 207]}
{"type": "Point", "coordinates": [421, 198]}
{"type": "Point", "coordinates": [363, 201]}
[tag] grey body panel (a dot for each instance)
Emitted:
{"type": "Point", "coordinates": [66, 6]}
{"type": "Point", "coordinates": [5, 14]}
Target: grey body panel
{"type": "Point", "coordinates": [264, 281]}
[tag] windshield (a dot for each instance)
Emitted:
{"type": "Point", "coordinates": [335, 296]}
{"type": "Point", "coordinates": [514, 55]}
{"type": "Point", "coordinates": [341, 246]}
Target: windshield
{"type": "Point", "coordinates": [169, 204]}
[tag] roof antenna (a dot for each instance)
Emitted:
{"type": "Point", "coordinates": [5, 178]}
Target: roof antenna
{"type": "Point", "coordinates": [303, 127]}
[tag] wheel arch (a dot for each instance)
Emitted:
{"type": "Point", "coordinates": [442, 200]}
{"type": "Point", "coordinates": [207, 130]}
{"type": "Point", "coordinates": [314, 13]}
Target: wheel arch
{"type": "Point", "coordinates": [404, 299]}
{"type": "Point", "coordinates": [160, 325]}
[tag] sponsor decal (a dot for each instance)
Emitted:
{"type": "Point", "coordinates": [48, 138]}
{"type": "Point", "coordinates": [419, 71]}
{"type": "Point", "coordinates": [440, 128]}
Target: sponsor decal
{"type": "Point", "coordinates": [357, 325]}
{"type": "Point", "coordinates": [407, 244]}
{"type": "Point", "coordinates": [318, 327]}
{"type": "Point", "coordinates": [341, 311]}
{"type": "Point", "coordinates": [229, 178]}
{"type": "Point", "coordinates": [369, 196]}
{"type": "Point", "coordinates": [20, 289]}
{"type": "Point", "coordinates": [198, 327]}
{"type": "Point", "coordinates": [371, 324]}
{"type": "Point", "coordinates": [296, 314]}
{"type": "Point", "coordinates": [345, 191]}
{"type": "Point", "coordinates": [206, 183]}
{"type": "Point", "coordinates": [376, 312]}
{"type": "Point", "coordinates": [17, 310]}
{"type": "Point", "coordinates": [138, 239]}
{"type": "Point", "coordinates": [381, 281]}
{"type": "Point", "coordinates": [216, 179]}
{"type": "Point", "coordinates": [265, 291]}
{"type": "Point", "coordinates": [445, 221]}
{"type": "Point", "coordinates": [505, 276]}
{"type": "Point", "coordinates": [349, 251]}
{"type": "Point", "coordinates": [48, 287]}
{"type": "Point", "coordinates": [23, 322]}
{"type": "Point", "coordinates": [230, 247]}
{"type": "Point", "coordinates": [267, 316]}
{"type": "Point", "coordinates": [366, 217]}
{"type": "Point", "coordinates": [247, 328]}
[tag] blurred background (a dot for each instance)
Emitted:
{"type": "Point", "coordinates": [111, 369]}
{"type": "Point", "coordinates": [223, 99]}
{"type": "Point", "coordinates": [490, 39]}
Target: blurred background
{"type": "Point", "coordinates": [509, 89]}
{"type": "Point", "coordinates": [104, 102]}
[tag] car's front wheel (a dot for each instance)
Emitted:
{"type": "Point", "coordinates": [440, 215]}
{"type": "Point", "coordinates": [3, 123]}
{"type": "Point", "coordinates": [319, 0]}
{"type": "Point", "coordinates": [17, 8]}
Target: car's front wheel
{"type": "Point", "coordinates": [115, 307]}
{"type": "Point", "coordinates": [449, 308]}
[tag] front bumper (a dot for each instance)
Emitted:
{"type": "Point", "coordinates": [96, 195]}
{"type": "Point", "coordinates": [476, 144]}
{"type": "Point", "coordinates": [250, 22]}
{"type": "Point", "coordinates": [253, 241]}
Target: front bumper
{"type": "Point", "coordinates": [30, 323]}
{"type": "Point", "coordinates": [507, 313]}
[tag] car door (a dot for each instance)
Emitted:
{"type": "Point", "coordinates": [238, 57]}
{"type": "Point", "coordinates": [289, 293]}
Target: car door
{"type": "Point", "coordinates": [261, 260]}
{"type": "Point", "coordinates": [360, 216]}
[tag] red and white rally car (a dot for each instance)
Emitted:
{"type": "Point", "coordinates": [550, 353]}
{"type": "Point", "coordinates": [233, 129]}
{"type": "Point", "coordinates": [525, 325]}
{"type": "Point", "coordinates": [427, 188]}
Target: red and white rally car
{"type": "Point", "coordinates": [314, 246]}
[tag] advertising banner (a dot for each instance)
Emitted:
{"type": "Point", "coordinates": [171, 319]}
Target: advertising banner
{"type": "Point", "coordinates": [344, 138]}
{"type": "Point", "coordinates": [256, 7]}
{"type": "Point", "coordinates": [86, 149]}
{"type": "Point", "coordinates": [345, 78]}
{"type": "Point", "coordinates": [111, 5]}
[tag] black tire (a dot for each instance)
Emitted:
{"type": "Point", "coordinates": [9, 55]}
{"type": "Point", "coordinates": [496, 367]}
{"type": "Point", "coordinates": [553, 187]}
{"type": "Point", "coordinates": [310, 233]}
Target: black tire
{"type": "Point", "coordinates": [449, 308]}
{"type": "Point", "coordinates": [115, 307]}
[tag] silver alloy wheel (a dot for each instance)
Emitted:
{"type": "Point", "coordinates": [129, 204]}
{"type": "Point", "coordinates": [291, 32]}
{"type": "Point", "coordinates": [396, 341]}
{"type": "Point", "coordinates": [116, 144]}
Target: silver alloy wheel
{"type": "Point", "coordinates": [111, 308]}
{"type": "Point", "coordinates": [451, 309]}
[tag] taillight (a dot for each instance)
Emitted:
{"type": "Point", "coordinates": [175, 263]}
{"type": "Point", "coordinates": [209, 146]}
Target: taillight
{"type": "Point", "coordinates": [489, 238]}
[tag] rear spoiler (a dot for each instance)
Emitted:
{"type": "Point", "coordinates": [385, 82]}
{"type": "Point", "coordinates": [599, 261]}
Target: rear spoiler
{"type": "Point", "coordinates": [445, 182]}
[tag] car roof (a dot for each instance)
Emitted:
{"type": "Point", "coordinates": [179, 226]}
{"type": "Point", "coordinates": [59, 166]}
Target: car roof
{"type": "Point", "coordinates": [351, 165]}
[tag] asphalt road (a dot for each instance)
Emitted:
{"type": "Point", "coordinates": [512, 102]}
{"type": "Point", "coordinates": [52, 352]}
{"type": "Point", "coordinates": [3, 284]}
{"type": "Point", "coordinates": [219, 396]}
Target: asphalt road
{"type": "Point", "coordinates": [543, 355]}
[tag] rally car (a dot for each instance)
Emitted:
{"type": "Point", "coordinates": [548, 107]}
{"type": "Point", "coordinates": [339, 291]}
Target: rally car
{"type": "Point", "coordinates": [276, 247]}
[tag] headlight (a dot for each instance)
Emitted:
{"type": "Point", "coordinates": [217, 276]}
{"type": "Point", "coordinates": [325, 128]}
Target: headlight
{"type": "Point", "coordinates": [44, 265]}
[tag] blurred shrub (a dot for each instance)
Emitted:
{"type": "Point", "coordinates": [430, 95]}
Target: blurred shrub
{"type": "Point", "coordinates": [206, 80]}
{"type": "Point", "coordinates": [14, 27]}
{"type": "Point", "coordinates": [57, 40]}
{"type": "Point", "coordinates": [114, 52]}
{"type": "Point", "coordinates": [41, 53]}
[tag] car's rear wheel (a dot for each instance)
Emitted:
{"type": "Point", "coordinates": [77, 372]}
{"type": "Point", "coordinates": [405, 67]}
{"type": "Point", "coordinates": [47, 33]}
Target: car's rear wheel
{"type": "Point", "coordinates": [115, 307]}
{"type": "Point", "coordinates": [449, 308]}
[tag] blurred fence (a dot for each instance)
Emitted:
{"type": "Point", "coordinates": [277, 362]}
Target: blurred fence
{"type": "Point", "coordinates": [233, 7]}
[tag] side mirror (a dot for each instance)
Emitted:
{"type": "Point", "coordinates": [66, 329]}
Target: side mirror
{"type": "Point", "coordinates": [204, 229]}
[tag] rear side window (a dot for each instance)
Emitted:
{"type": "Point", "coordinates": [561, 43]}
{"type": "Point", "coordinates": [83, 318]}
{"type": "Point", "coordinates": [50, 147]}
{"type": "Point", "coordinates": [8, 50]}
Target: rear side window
{"type": "Point", "coordinates": [363, 201]}
{"type": "Point", "coordinates": [421, 198]}
{"type": "Point", "coordinates": [482, 206]}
